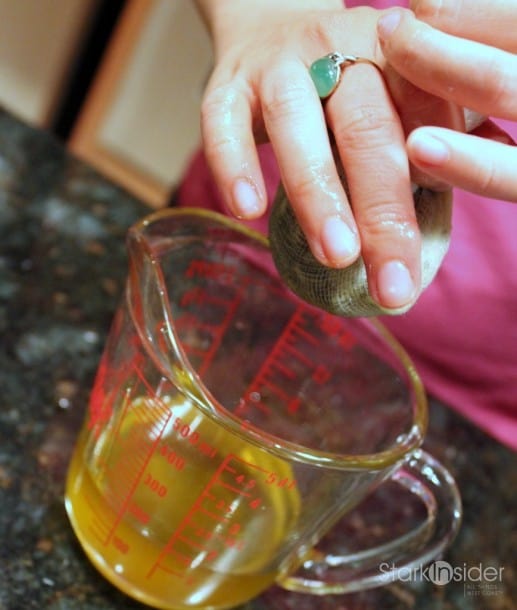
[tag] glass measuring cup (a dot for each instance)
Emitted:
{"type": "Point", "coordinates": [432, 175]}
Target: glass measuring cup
{"type": "Point", "coordinates": [231, 426]}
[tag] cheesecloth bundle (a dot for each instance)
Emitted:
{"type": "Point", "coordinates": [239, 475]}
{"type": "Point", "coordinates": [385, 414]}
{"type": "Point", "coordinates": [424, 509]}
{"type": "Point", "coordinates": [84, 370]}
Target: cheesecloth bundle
{"type": "Point", "coordinates": [345, 291]}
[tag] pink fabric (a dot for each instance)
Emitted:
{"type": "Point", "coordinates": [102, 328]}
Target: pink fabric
{"type": "Point", "coordinates": [462, 333]}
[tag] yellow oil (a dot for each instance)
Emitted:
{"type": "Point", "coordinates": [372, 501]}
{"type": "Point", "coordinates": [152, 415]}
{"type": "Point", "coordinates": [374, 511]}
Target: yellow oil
{"type": "Point", "coordinates": [187, 517]}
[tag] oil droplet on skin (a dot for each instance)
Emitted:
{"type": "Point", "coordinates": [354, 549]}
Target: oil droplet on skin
{"type": "Point", "coordinates": [405, 230]}
{"type": "Point", "coordinates": [331, 203]}
{"type": "Point", "coordinates": [324, 181]}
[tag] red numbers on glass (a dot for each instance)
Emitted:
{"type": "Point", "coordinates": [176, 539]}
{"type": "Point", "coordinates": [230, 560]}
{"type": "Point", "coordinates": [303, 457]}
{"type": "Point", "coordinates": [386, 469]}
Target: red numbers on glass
{"type": "Point", "coordinates": [184, 431]}
{"type": "Point", "coordinates": [155, 485]}
{"type": "Point", "coordinates": [175, 460]}
{"type": "Point", "coordinates": [284, 482]}
{"type": "Point", "coordinates": [334, 327]}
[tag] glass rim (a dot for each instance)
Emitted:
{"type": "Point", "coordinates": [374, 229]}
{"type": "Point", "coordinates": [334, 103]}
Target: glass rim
{"type": "Point", "coordinates": [283, 448]}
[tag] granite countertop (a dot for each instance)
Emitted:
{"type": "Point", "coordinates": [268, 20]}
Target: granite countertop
{"type": "Point", "coordinates": [62, 269]}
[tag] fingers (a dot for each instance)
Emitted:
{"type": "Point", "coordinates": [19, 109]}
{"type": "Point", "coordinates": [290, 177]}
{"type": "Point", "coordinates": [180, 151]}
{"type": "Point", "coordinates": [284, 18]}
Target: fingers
{"type": "Point", "coordinates": [371, 144]}
{"type": "Point", "coordinates": [471, 74]}
{"type": "Point", "coordinates": [482, 166]}
{"type": "Point", "coordinates": [416, 108]}
{"type": "Point", "coordinates": [296, 126]}
{"type": "Point", "coordinates": [277, 93]}
{"type": "Point", "coordinates": [370, 141]}
{"type": "Point", "coordinates": [226, 125]}
{"type": "Point", "coordinates": [491, 22]}
{"type": "Point", "coordinates": [483, 77]}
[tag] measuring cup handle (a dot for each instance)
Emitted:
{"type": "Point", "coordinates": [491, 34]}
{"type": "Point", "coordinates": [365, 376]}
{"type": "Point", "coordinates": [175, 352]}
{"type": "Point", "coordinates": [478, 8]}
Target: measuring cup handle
{"type": "Point", "coordinates": [422, 475]}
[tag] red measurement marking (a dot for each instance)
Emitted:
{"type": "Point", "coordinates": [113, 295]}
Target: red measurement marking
{"type": "Point", "coordinates": [140, 415]}
{"type": "Point", "coordinates": [321, 374]}
{"type": "Point", "coordinates": [210, 269]}
{"type": "Point", "coordinates": [197, 507]}
{"type": "Point", "coordinates": [191, 296]}
{"type": "Point", "coordinates": [139, 513]}
{"type": "Point", "coordinates": [125, 406]}
{"type": "Point", "coordinates": [98, 526]}
{"type": "Point", "coordinates": [121, 545]}
{"type": "Point", "coordinates": [115, 496]}
{"type": "Point", "coordinates": [97, 532]}
{"type": "Point", "coordinates": [334, 327]}
{"type": "Point", "coordinates": [296, 353]}
{"type": "Point", "coordinates": [168, 548]}
{"type": "Point", "coordinates": [213, 516]}
{"type": "Point", "coordinates": [255, 402]}
{"type": "Point", "coordinates": [276, 390]}
{"type": "Point", "coordinates": [199, 295]}
{"type": "Point", "coordinates": [192, 543]}
{"type": "Point", "coordinates": [238, 491]}
{"type": "Point", "coordinates": [184, 559]}
{"type": "Point", "coordinates": [187, 321]}
{"type": "Point", "coordinates": [235, 458]}
{"type": "Point", "coordinates": [172, 572]}
{"type": "Point", "coordinates": [293, 331]}
{"type": "Point", "coordinates": [293, 405]}
{"type": "Point", "coordinates": [302, 331]}
{"type": "Point", "coordinates": [284, 369]}
{"type": "Point", "coordinates": [151, 392]}
{"type": "Point", "coordinates": [126, 502]}
{"type": "Point", "coordinates": [219, 334]}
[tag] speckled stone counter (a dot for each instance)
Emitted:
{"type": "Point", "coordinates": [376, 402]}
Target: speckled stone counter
{"type": "Point", "coordinates": [62, 268]}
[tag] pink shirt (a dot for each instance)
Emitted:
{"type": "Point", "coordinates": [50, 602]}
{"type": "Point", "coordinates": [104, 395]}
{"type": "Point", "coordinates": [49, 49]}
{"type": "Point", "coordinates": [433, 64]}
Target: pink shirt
{"type": "Point", "coordinates": [462, 332]}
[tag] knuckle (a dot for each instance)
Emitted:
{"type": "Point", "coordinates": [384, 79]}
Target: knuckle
{"type": "Point", "coordinates": [365, 127]}
{"type": "Point", "coordinates": [488, 178]}
{"type": "Point", "coordinates": [323, 32]}
{"type": "Point", "coordinates": [305, 188]}
{"type": "Point", "coordinates": [499, 86]}
{"type": "Point", "coordinates": [386, 220]}
{"type": "Point", "coordinates": [220, 120]}
{"type": "Point", "coordinates": [217, 145]}
{"type": "Point", "coordinates": [216, 102]}
{"type": "Point", "coordinates": [283, 99]}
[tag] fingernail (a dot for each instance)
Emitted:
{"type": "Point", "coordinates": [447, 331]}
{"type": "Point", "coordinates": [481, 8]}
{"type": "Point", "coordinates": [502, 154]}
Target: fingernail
{"type": "Point", "coordinates": [428, 149]}
{"type": "Point", "coordinates": [245, 200]}
{"type": "Point", "coordinates": [339, 242]}
{"type": "Point", "coordinates": [388, 23]}
{"type": "Point", "coordinates": [395, 285]}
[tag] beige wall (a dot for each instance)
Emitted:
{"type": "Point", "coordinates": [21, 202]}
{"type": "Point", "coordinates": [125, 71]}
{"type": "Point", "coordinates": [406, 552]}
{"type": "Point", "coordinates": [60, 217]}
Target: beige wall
{"type": "Point", "coordinates": [38, 41]}
{"type": "Point", "coordinates": [140, 120]}
{"type": "Point", "coordinates": [153, 120]}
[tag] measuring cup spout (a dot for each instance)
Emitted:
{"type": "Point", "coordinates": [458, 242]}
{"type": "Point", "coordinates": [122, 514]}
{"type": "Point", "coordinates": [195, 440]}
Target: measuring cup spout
{"type": "Point", "coordinates": [147, 299]}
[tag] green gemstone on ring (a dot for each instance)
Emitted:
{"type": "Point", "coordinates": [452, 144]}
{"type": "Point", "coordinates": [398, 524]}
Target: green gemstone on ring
{"type": "Point", "coordinates": [325, 73]}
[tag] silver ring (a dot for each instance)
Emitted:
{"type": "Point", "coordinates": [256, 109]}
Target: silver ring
{"type": "Point", "coordinates": [326, 71]}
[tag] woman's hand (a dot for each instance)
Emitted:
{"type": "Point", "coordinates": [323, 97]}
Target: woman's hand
{"type": "Point", "coordinates": [261, 90]}
{"type": "Point", "coordinates": [464, 52]}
